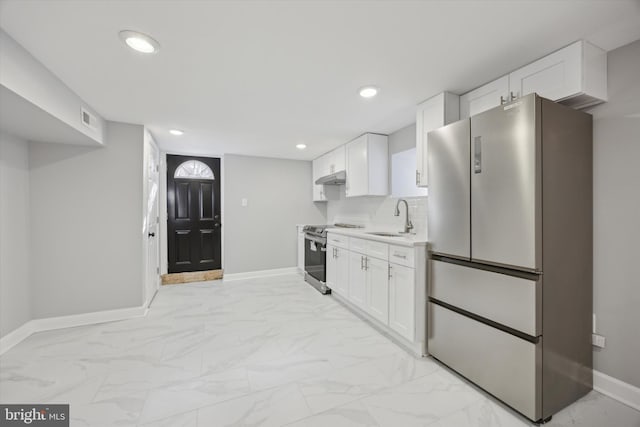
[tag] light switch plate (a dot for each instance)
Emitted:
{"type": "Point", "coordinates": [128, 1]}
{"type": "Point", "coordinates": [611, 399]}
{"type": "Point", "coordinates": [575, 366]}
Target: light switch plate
{"type": "Point", "coordinates": [597, 340]}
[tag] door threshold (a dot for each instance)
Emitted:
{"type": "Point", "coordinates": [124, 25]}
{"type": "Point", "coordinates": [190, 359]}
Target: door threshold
{"type": "Point", "coordinates": [191, 276]}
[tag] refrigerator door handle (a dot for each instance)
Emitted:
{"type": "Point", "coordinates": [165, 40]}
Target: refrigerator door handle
{"type": "Point", "coordinates": [477, 154]}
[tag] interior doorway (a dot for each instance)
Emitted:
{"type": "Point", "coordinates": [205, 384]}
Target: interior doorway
{"type": "Point", "coordinates": [194, 227]}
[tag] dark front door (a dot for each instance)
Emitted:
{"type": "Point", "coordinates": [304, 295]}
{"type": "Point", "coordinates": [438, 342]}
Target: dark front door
{"type": "Point", "coordinates": [193, 205]}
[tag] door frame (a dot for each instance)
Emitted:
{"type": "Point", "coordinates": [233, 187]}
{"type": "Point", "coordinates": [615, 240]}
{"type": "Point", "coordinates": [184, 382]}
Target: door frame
{"type": "Point", "coordinates": [146, 276]}
{"type": "Point", "coordinates": [164, 245]}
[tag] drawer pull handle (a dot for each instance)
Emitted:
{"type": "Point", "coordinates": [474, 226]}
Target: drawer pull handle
{"type": "Point", "coordinates": [400, 256]}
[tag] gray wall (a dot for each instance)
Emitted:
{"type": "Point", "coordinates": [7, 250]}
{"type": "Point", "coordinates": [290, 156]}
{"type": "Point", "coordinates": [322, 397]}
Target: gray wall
{"type": "Point", "coordinates": [262, 235]}
{"type": "Point", "coordinates": [402, 140]}
{"type": "Point", "coordinates": [617, 217]}
{"type": "Point", "coordinates": [86, 224]}
{"type": "Point", "coordinates": [15, 294]}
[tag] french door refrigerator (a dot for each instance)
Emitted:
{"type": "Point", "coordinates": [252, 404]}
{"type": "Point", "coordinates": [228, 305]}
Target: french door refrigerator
{"type": "Point", "coordinates": [510, 227]}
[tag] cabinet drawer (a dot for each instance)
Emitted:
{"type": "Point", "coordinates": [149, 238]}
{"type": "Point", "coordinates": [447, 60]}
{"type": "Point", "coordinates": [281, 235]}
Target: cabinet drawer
{"type": "Point", "coordinates": [499, 362]}
{"type": "Point", "coordinates": [377, 250]}
{"type": "Point", "coordinates": [508, 300]}
{"type": "Point", "coordinates": [357, 245]}
{"type": "Point", "coordinates": [338, 240]}
{"type": "Point", "coordinates": [401, 255]}
{"type": "Point", "coordinates": [370, 248]}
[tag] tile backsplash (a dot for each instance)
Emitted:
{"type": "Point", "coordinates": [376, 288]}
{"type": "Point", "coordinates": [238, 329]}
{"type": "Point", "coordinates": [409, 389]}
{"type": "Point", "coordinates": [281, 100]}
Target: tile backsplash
{"type": "Point", "coordinates": [377, 212]}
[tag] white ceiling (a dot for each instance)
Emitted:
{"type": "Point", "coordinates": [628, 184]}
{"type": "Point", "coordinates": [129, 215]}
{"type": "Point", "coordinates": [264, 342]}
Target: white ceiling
{"type": "Point", "coordinates": [258, 77]}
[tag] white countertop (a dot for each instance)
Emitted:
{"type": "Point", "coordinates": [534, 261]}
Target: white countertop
{"type": "Point", "coordinates": [362, 233]}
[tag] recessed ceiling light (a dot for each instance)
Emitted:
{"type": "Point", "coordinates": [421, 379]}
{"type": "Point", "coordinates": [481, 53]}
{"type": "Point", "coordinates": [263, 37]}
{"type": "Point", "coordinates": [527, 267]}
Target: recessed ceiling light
{"type": "Point", "coordinates": [301, 146]}
{"type": "Point", "coordinates": [176, 132]}
{"type": "Point", "coordinates": [368, 91]}
{"type": "Point", "coordinates": [139, 42]}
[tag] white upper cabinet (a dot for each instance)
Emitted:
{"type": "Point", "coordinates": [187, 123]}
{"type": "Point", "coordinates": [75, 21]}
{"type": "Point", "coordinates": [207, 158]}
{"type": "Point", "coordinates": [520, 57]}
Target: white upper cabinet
{"type": "Point", "coordinates": [575, 75]}
{"type": "Point", "coordinates": [336, 160]}
{"type": "Point", "coordinates": [318, 190]}
{"type": "Point", "coordinates": [433, 113]}
{"type": "Point", "coordinates": [485, 97]}
{"type": "Point", "coordinates": [367, 166]}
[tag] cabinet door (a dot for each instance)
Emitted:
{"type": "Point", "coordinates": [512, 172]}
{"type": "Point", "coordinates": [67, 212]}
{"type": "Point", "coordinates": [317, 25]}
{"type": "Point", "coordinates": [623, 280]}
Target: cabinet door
{"type": "Point", "coordinates": [377, 289]}
{"type": "Point", "coordinates": [555, 76]}
{"type": "Point", "coordinates": [357, 168]}
{"type": "Point", "coordinates": [357, 279]}
{"type": "Point", "coordinates": [332, 267]}
{"type": "Point", "coordinates": [341, 285]}
{"type": "Point", "coordinates": [402, 300]}
{"type": "Point", "coordinates": [484, 98]}
{"type": "Point", "coordinates": [318, 190]}
{"type": "Point", "coordinates": [337, 162]}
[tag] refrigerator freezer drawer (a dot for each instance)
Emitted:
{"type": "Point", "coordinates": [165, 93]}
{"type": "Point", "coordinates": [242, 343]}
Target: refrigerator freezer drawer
{"type": "Point", "coordinates": [504, 365]}
{"type": "Point", "coordinates": [510, 301]}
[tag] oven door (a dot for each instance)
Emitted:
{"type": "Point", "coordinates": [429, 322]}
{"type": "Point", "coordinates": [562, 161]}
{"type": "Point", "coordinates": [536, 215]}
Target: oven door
{"type": "Point", "coordinates": [315, 257]}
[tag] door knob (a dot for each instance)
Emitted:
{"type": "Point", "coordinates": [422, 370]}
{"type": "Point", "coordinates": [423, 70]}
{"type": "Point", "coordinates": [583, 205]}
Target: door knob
{"type": "Point", "coordinates": [152, 234]}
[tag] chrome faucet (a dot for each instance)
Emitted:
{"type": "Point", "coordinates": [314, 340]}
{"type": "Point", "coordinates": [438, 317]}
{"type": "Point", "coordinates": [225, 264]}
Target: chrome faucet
{"type": "Point", "coordinates": [408, 226]}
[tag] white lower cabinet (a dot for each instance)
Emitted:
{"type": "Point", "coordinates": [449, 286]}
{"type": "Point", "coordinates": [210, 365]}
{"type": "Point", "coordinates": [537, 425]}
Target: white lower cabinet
{"type": "Point", "coordinates": [357, 279]}
{"type": "Point", "coordinates": [391, 295]}
{"type": "Point", "coordinates": [338, 270]}
{"type": "Point", "coordinates": [401, 300]}
{"type": "Point", "coordinates": [377, 301]}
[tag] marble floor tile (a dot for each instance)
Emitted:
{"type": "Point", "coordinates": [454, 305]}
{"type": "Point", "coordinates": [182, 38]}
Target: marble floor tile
{"type": "Point", "coordinates": [352, 414]}
{"type": "Point", "coordinates": [194, 393]}
{"type": "Point", "coordinates": [421, 402]}
{"type": "Point", "coordinates": [258, 352]}
{"type": "Point", "coordinates": [187, 419]}
{"type": "Point", "coordinates": [270, 408]}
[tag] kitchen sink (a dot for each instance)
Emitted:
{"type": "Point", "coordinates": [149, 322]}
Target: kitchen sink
{"type": "Point", "coordinates": [385, 234]}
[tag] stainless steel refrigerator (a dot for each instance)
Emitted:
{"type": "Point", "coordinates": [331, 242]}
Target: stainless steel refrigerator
{"type": "Point", "coordinates": [510, 225]}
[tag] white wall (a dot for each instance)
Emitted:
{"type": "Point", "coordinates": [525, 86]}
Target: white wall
{"type": "Point", "coordinates": [86, 224]}
{"type": "Point", "coordinates": [15, 294]}
{"type": "Point", "coordinates": [378, 211]}
{"type": "Point", "coordinates": [262, 235]}
{"type": "Point", "coordinates": [617, 217]}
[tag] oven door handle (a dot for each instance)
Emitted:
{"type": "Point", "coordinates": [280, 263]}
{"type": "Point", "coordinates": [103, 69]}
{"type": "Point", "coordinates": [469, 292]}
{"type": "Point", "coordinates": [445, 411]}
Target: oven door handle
{"type": "Point", "coordinates": [320, 240]}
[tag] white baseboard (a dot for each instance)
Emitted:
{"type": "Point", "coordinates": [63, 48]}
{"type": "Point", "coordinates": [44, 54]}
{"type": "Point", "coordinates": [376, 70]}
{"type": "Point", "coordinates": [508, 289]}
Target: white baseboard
{"type": "Point", "coordinates": [16, 336]}
{"type": "Point", "coordinates": [260, 273]}
{"type": "Point", "coordinates": [61, 322]}
{"type": "Point", "coordinates": [616, 389]}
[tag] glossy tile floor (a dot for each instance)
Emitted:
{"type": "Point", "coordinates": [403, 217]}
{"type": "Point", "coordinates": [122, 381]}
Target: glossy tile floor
{"type": "Point", "coordinates": [259, 352]}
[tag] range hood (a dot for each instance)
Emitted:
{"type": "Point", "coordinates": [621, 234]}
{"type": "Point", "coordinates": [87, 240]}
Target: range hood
{"type": "Point", "coordinates": [337, 178]}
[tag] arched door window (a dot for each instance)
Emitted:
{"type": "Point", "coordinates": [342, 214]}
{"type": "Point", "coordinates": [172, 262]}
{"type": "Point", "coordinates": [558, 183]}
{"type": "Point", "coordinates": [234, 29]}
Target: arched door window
{"type": "Point", "coordinates": [194, 169]}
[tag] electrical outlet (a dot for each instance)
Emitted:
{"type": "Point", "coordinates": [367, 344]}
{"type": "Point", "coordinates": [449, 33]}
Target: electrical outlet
{"type": "Point", "coordinates": [597, 340]}
{"type": "Point", "coordinates": [244, 202]}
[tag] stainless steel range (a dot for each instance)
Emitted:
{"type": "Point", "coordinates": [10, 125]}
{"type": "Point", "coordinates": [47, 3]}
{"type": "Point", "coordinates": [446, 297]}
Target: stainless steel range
{"type": "Point", "coordinates": [315, 257]}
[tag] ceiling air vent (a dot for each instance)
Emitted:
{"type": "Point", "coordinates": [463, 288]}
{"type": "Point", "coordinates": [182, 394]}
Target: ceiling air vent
{"type": "Point", "coordinates": [87, 118]}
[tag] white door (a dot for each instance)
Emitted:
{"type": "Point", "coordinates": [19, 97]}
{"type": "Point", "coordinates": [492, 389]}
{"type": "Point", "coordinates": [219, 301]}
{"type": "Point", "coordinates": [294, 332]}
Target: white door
{"type": "Point", "coordinates": [357, 279]}
{"type": "Point", "coordinates": [152, 223]}
{"type": "Point", "coordinates": [378, 289]}
{"type": "Point", "coordinates": [402, 300]}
